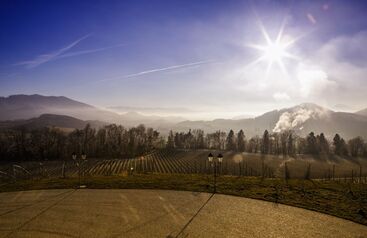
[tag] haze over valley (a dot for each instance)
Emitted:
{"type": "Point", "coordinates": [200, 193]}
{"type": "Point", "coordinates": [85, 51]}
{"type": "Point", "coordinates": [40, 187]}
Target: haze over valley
{"type": "Point", "coordinates": [36, 111]}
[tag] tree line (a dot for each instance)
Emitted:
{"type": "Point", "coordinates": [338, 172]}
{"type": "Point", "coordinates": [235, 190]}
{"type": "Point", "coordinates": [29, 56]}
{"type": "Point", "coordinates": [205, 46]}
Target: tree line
{"type": "Point", "coordinates": [284, 143]}
{"type": "Point", "coordinates": [52, 143]}
{"type": "Point", "coordinates": [115, 141]}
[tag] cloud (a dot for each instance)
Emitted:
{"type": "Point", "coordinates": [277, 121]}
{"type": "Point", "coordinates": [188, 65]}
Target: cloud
{"type": "Point", "coordinates": [344, 107]}
{"type": "Point", "coordinates": [62, 53]}
{"type": "Point", "coordinates": [158, 70]}
{"type": "Point", "coordinates": [344, 59]}
{"type": "Point", "coordinates": [157, 110]}
{"type": "Point", "coordinates": [281, 96]}
{"type": "Point", "coordinates": [346, 49]}
{"type": "Point", "coordinates": [312, 80]}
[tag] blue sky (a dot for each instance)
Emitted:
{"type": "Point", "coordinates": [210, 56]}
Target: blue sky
{"type": "Point", "coordinates": [185, 54]}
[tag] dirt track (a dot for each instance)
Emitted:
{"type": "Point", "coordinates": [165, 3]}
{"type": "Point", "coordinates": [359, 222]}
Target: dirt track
{"type": "Point", "coordinates": [158, 213]}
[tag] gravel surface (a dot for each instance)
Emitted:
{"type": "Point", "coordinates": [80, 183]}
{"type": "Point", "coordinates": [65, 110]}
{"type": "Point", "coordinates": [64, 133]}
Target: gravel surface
{"type": "Point", "coordinates": [159, 213]}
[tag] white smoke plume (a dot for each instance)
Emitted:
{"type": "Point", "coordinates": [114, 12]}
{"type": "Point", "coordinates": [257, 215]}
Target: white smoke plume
{"type": "Point", "coordinates": [295, 118]}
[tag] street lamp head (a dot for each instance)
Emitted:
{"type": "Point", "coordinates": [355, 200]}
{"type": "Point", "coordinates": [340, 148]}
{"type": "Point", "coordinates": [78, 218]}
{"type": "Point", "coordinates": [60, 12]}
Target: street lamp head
{"type": "Point", "coordinates": [220, 158]}
{"type": "Point", "coordinates": [73, 156]}
{"type": "Point", "coordinates": [210, 157]}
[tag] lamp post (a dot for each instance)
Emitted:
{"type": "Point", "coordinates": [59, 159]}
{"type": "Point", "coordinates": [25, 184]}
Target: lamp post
{"type": "Point", "coordinates": [78, 163]}
{"type": "Point", "coordinates": [74, 157]}
{"type": "Point", "coordinates": [216, 164]}
{"type": "Point", "coordinates": [84, 159]}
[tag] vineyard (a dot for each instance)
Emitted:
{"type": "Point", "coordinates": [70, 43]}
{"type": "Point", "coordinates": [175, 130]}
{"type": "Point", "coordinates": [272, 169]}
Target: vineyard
{"type": "Point", "coordinates": [193, 162]}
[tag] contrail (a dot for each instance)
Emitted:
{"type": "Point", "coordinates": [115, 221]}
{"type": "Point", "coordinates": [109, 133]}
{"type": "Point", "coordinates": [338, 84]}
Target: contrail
{"type": "Point", "coordinates": [41, 59]}
{"type": "Point", "coordinates": [83, 52]}
{"type": "Point", "coordinates": [158, 70]}
{"type": "Point", "coordinates": [63, 53]}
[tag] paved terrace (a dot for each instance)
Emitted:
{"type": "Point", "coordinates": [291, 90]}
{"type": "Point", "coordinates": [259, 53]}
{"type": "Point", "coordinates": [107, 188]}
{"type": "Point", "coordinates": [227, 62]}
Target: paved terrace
{"type": "Point", "coordinates": [159, 213]}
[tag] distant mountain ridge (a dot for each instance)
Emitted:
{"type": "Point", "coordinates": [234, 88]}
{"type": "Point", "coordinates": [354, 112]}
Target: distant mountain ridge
{"type": "Point", "coordinates": [302, 119]}
{"type": "Point", "coordinates": [17, 107]}
{"type": "Point", "coordinates": [51, 120]}
{"type": "Point", "coordinates": [362, 112]}
{"type": "Point", "coordinates": [21, 107]}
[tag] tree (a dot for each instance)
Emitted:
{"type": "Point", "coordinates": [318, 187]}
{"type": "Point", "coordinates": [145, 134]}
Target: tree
{"type": "Point", "coordinates": [252, 146]}
{"type": "Point", "coordinates": [199, 140]}
{"type": "Point", "coordinates": [284, 139]}
{"type": "Point", "coordinates": [101, 142]}
{"type": "Point", "coordinates": [265, 143]}
{"type": "Point", "coordinates": [231, 141]}
{"type": "Point", "coordinates": [189, 140]}
{"type": "Point", "coordinates": [290, 145]}
{"type": "Point", "coordinates": [340, 147]}
{"type": "Point", "coordinates": [311, 147]}
{"type": "Point", "coordinates": [301, 145]}
{"type": "Point", "coordinates": [88, 139]}
{"type": "Point", "coordinates": [337, 144]}
{"type": "Point", "coordinates": [170, 141]}
{"type": "Point", "coordinates": [356, 146]}
{"type": "Point", "coordinates": [241, 143]}
{"type": "Point", "coordinates": [323, 144]}
{"type": "Point", "coordinates": [178, 140]}
{"type": "Point", "coordinates": [365, 150]}
{"type": "Point", "coordinates": [221, 140]}
{"type": "Point", "coordinates": [217, 140]}
{"type": "Point", "coordinates": [344, 148]}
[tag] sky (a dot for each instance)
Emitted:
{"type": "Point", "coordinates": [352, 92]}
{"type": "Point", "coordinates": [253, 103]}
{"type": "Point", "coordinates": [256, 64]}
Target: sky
{"type": "Point", "coordinates": [197, 59]}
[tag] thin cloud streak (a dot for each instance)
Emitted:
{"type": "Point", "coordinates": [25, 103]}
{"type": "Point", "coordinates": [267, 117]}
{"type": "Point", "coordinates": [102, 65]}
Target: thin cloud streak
{"type": "Point", "coordinates": [83, 52]}
{"type": "Point", "coordinates": [63, 53]}
{"type": "Point", "coordinates": [158, 70]}
{"type": "Point", "coordinates": [42, 59]}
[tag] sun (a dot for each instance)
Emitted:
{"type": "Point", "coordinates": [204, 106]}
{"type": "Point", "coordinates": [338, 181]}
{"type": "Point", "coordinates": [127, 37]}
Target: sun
{"type": "Point", "coordinates": [274, 51]}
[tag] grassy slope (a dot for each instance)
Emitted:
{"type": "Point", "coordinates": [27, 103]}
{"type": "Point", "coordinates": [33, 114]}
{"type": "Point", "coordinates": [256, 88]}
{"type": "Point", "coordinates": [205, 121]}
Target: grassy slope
{"type": "Point", "coordinates": [347, 201]}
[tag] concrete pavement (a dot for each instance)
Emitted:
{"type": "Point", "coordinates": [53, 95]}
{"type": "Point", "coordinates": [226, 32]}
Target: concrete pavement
{"type": "Point", "coordinates": [159, 213]}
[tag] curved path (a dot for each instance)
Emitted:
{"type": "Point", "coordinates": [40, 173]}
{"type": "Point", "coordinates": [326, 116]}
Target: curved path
{"type": "Point", "coordinates": [159, 213]}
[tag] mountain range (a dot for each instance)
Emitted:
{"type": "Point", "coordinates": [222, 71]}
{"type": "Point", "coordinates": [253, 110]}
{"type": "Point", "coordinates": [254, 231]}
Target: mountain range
{"type": "Point", "coordinates": [17, 107]}
{"type": "Point", "coordinates": [51, 120]}
{"type": "Point", "coordinates": [362, 112]}
{"type": "Point", "coordinates": [34, 111]}
{"type": "Point", "coordinates": [20, 107]}
{"type": "Point", "coordinates": [302, 119]}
